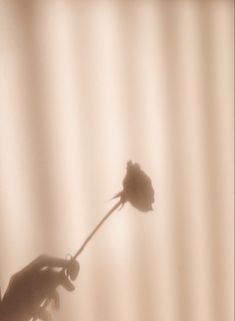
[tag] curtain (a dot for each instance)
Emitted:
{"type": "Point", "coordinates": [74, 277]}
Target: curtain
{"type": "Point", "coordinates": [86, 86]}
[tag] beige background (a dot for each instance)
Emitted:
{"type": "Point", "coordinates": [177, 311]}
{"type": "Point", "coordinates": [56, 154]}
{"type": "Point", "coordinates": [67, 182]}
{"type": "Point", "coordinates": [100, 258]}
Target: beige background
{"type": "Point", "coordinates": [86, 86]}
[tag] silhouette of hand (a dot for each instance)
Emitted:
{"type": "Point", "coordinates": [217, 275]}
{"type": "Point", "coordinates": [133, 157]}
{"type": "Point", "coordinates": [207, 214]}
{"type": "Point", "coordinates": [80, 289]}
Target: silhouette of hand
{"type": "Point", "coordinates": [38, 281]}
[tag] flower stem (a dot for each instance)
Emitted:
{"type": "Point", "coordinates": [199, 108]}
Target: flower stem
{"type": "Point", "coordinates": [89, 237]}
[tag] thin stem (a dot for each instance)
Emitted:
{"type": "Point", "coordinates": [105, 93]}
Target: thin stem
{"type": "Point", "coordinates": [97, 228]}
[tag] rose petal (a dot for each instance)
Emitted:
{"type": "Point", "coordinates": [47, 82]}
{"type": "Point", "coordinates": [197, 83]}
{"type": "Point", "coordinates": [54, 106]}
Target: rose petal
{"type": "Point", "coordinates": [137, 188]}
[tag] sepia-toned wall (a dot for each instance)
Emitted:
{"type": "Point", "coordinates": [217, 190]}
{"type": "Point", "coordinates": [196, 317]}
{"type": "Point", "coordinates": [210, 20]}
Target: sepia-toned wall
{"type": "Point", "coordinates": [86, 86]}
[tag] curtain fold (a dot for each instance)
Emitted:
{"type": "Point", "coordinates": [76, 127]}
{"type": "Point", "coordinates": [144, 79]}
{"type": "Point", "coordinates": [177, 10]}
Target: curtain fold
{"type": "Point", "coordinates": [86, 86]}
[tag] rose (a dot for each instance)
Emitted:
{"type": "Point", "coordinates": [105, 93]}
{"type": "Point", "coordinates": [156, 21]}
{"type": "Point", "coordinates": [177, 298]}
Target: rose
{"type": "Point", "coordinates": [137, 188]}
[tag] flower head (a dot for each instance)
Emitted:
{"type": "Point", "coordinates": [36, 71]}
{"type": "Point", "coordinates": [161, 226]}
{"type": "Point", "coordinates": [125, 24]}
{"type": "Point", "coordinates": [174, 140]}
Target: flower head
{"type": "Point", "coordinates": [137, 188]}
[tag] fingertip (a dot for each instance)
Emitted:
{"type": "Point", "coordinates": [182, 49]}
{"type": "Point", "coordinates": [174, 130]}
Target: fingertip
{"type": "Point", "coordinates": [67, 284]}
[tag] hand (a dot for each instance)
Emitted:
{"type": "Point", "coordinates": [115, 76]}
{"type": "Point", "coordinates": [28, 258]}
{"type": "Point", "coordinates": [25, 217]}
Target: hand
{"type": "Point", "coordinates": [38, 281]}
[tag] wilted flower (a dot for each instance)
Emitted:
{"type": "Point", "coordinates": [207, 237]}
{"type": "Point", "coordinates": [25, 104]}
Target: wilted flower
{"type": "Point", "coordinates": [137, 188]}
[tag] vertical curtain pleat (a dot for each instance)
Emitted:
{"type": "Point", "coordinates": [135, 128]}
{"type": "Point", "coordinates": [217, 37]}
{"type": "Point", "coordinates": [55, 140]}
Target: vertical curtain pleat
{"type": "Point", "coordinates": [86, 86]}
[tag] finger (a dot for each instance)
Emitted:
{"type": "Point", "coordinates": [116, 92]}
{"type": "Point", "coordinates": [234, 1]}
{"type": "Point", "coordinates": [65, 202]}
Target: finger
{"type": "Point", "coordinates": [40, 262]}
{"type": "Point", "coordinates": [64, 281]}
{"type": "Point", "coordinates": [44, 315]}
{"type": "Point", "coordinates": [56, 299]}
{"type": "Point", "coordinates": [73, 269]}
